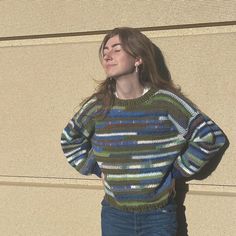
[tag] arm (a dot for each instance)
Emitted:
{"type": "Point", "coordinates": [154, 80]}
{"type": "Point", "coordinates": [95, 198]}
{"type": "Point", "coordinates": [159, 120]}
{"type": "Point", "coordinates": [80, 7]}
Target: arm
{"type": "Point", "coordinates": [76, 141]}
{"type": "Point", "coordinates": [204, 138]}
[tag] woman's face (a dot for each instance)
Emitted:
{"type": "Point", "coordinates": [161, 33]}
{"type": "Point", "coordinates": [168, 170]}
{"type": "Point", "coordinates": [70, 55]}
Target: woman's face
{"type": "Point", "coordinates": [116, 61]}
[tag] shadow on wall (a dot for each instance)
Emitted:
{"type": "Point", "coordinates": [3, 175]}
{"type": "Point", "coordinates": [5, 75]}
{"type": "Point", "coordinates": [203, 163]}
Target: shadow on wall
{"type": "Point", "coordinates": [182, 189]}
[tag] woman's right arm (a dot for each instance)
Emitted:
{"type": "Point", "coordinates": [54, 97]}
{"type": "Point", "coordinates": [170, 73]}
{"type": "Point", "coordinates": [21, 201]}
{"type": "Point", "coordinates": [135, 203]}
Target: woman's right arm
{"type": "Point", "coordinates": [76, 141]}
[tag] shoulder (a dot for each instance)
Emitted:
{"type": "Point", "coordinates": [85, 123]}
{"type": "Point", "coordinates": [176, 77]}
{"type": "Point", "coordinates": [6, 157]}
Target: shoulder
{"type": "Point", "coordinates": [176, 102]}
{"type": "Point", "coordinates": [89, 108]}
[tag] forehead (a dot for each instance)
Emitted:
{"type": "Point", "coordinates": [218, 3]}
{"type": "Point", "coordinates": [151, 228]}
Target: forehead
{"type": "Point", "coordinates": [115, 40]}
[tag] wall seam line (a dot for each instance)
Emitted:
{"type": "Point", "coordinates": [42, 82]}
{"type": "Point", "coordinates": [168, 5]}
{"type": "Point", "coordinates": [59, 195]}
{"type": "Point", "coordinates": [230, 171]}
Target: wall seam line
{"type": "Point", "coordinates": [99, 32]}
{"type": "Point", "coordinates": [197, 189]}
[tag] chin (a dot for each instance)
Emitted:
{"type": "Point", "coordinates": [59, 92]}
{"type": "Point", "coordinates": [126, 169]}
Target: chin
{"type": "Point", "coordinates": [112, 75]}
{"type": "Point", "coordinates": [117, 74]}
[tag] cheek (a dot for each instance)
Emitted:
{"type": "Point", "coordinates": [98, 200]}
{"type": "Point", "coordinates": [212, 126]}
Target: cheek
{"type": "Point", "coordinates": [127, 60]}
{"type": "Point", "coordinates": [129, 63]}
{"type": "Point", "coordinates": [103, 64]}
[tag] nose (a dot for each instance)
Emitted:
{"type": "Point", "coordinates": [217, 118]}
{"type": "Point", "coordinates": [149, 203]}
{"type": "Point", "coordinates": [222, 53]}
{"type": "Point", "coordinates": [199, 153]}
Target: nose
{"type": "Point", "coordinates": [107, 56]}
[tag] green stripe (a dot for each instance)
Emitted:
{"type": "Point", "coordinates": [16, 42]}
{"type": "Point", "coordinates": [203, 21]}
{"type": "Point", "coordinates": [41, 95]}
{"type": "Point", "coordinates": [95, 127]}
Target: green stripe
{"type": "Point", "coordinates": [177, 104]}
{"type": "Point", "coordinates": [196, 160]}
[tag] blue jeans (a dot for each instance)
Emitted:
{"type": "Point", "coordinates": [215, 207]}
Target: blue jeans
{"type": "Point", "coordinates": [159, 222]}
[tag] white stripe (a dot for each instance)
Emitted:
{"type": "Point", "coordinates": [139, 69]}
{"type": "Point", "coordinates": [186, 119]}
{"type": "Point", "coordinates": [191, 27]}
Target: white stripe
{"type": "Point", "coordinates": [177, 125]}
{"type": "Point", "coordinates": [119, 176]}
{"type": "Point", "coordinates": [218, 132]}
{"type": "Point", "coordinates": [193, 168]}
{"type": "Point", "coordinates": [144, 186]}
{"type": "Point", "coordinates": [160, 140]}
{"type": "Point", "coordinates": [85, 106]}
{"type": "Point", "coordinates": [86, 133]}
{"type": "Point", "coordinates": [197, 129]}
{"type": "Point", "coordinates": [168, 145]}
{"type": "Point", "coordinates": [138, 157]}
{"type": "Point", "coordinates": [71, 152]}
{"type": "Point", "coordinates": [202, 139]}
{"type": "Point", "coordinates": [162, 118]}
{"type": "Point", "coordinates": [106, 184]}
{"type": "Point", "coordinates": [210, 122]}
{"type": "Point", "coordinates": [107, 189]}
{"type": "Point", "coordinates": [183, 167]}
{"type": "Point", "coordinates": [116, 134]}
{"type": "Point", "coordinates": [72, 124]}
{"type": "Point", "coordinates": [208, 152]}
{"type": "Point", "coordinates": [133, 166]}
{"type": "Point", "coordinates": [76, 155]}
{"type": "Point", "coordinates": [109, 192]}
{"type": "Point", "coordinates": [185, 104]}
{"type": "Point", "coordinates": [78, 162]}
{"type": "Point", "coordinates": [67, 135]}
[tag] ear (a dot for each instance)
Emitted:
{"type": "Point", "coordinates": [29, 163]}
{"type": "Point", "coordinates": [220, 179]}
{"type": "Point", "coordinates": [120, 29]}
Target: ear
{"type": "Point", "coordinates": [138, 61]}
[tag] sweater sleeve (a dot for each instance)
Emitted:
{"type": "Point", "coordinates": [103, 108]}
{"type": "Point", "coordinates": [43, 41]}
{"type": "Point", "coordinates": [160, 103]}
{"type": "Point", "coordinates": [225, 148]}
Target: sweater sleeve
{"type": "Point", "coordinates": [203, 137]}
{"type": "Point", "coordinates": [76, 141]}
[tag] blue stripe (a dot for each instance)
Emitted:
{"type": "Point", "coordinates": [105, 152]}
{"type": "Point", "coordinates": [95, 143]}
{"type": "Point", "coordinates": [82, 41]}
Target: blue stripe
{"type": "Point", "coordinates": [127, 114]}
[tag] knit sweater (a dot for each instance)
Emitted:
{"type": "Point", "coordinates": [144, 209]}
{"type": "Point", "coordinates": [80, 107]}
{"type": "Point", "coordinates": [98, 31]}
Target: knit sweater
{"type": "Point", "coordinates": [140, 146]}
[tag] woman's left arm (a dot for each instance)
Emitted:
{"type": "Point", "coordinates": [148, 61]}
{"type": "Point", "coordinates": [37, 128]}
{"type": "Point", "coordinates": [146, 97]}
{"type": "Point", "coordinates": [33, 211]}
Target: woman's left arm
{"type": "Point", "coordinates": [204, 139]}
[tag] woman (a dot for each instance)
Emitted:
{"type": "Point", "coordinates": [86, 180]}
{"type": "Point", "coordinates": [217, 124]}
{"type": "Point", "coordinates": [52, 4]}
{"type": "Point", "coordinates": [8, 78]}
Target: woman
{"type": "Point", "coordinates": [139, 133]}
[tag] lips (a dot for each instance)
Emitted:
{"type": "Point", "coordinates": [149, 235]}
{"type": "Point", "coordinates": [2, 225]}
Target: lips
{"type": "Point", "coordinates": [109, 66]}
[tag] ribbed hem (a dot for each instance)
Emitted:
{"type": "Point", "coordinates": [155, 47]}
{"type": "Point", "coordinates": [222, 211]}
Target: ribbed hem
{"type": "Point", "coordinates": [135, 101]}
{"type": "Point", "coordinates": [162, 201]}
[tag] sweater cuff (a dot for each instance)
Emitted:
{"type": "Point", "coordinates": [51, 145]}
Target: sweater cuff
{"type": "Point", "coordinates": [176, 174]}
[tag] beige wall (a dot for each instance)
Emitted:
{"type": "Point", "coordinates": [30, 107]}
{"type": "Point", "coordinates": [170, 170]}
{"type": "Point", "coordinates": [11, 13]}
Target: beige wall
{"type": "Point", "coordinates": [43, 80]}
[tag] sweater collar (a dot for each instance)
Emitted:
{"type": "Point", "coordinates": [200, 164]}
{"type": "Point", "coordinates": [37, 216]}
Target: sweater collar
{"type": "Point", "coordinates": [135, 101]}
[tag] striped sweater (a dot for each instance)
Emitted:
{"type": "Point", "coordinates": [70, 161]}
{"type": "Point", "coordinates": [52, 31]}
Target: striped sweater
{"type": "Point", "coordinates": [141, 146]}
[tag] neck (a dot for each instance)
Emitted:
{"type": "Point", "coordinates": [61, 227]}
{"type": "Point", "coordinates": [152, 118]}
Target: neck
{"type": "Point", "coordinates": [128, 87]}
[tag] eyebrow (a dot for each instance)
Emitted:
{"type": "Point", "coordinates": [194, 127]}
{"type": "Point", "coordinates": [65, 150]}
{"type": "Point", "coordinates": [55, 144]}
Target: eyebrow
{"type": "Point", "coordinates": [113, 45]}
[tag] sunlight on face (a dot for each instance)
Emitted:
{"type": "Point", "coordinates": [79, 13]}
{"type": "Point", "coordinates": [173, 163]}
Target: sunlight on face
{"type": "Point", "coordinates": [116, 61]}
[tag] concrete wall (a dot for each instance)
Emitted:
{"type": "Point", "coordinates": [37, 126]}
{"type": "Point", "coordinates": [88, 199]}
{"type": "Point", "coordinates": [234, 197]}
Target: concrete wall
{"type": "Point", "coordinates": [48, 60]}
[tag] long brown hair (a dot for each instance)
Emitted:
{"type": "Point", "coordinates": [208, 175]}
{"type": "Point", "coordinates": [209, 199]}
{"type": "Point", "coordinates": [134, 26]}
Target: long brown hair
{"type": "Point", "coordinates": [153, 71]}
